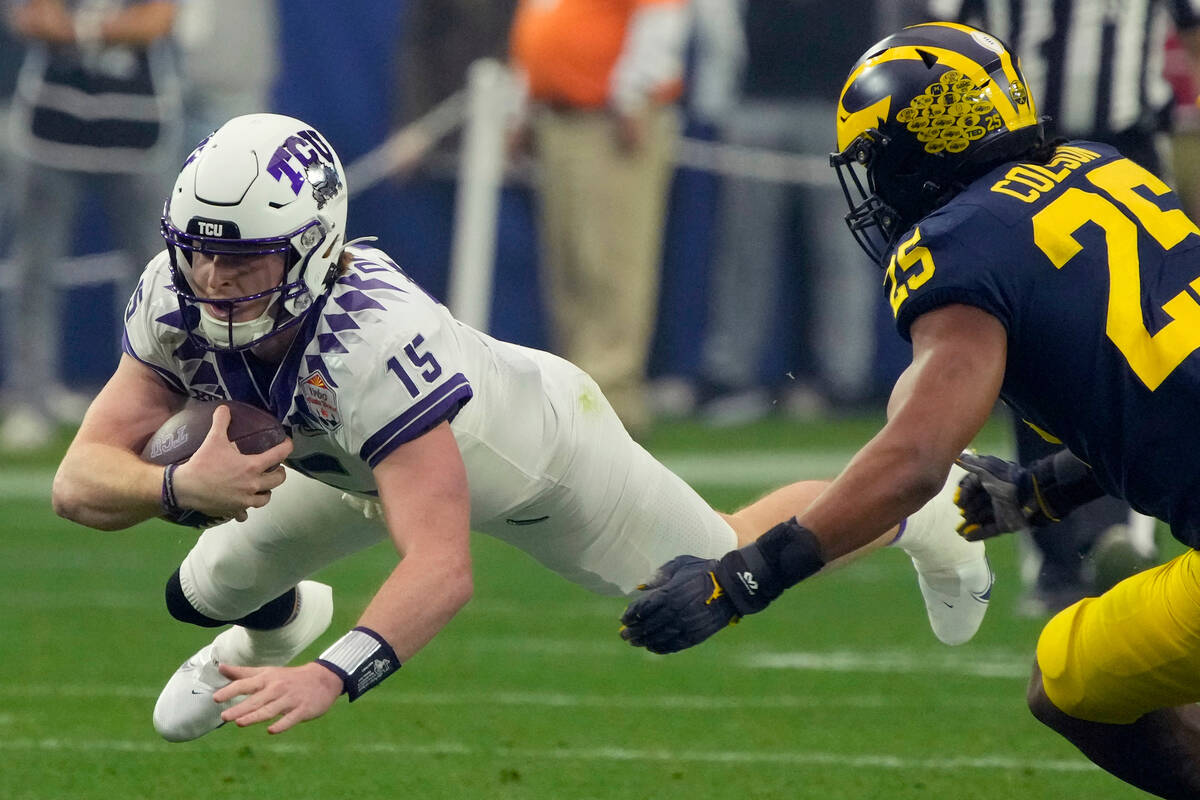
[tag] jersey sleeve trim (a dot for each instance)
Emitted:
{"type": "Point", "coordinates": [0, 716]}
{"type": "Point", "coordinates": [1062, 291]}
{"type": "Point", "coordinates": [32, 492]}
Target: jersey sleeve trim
{"type": "Point", "coordinates": [949, 295]}
{"type": "Point", "coordinates": [173, 383]}
{"type": "Point", "coordinates": [442, 404]}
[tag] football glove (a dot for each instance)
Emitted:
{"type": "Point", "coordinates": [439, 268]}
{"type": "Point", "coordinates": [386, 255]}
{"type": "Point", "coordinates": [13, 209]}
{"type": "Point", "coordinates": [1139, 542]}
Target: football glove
{"type": "Point", "coordinates": [682, 606]}
{"type": "Point", "coordinates": [692, 598]}
{"type": "Point", "coordinates": [998, 496]}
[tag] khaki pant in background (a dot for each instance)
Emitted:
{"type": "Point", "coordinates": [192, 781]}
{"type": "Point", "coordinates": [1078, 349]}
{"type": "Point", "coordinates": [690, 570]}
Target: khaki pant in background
{"type": "Point", "coordinates": [602, 213]}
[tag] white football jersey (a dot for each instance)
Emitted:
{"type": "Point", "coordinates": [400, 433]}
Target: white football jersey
{"type": "Point", "coordinates": [377, 364]}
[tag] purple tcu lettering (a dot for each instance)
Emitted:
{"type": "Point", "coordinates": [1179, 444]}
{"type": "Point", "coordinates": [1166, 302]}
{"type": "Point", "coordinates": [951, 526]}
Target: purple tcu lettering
{"type": "Point", "coordinates": [306, 148]}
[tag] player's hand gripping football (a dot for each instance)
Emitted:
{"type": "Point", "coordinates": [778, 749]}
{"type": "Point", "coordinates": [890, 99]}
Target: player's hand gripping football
{"type": "Point", "coordinates": [218, 480]}
{"type": "Point", "coordinates": [682, 606]}
{"type": "Point", "coordinates": [995, 497]}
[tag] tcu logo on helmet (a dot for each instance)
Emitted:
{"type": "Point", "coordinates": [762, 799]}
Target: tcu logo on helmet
{"type": "Point", "coordinates": [306, 155]}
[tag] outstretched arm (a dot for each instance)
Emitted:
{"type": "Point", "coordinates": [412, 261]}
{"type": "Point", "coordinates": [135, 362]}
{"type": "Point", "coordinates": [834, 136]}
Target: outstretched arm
{"type": "Point", "coordinates": [426, 503]}
{"type": "Point", "coordinates": [939, 403]}
{"type": "Point", "coordinates": [937, 406]}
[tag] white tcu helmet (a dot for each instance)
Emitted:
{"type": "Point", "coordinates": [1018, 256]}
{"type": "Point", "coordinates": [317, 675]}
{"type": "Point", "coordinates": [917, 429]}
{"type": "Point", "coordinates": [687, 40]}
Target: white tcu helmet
{"type": "Point", "coordinates": [262, 183]}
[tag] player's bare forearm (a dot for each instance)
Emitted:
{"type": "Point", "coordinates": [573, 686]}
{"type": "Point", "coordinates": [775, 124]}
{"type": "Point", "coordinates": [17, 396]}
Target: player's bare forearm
{"type": "Point", "coordinates": [936, 408]}
{"type": "Point", "coordinates": [418, 599]}
{"type": "Point", "coordinates": [427, 507]}
{"type": "Point", "coordinates": [102, 482]}
{"type": "Point", "coordinates": [106, 487]}
{"type": "Point", "coordinates": [884, 483]}
{"type": "Point", "coordinates": [414, 603]}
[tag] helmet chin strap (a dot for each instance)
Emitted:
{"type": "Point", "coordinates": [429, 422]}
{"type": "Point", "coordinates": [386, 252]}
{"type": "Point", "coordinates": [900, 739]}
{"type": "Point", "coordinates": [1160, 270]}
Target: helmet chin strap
{"type": "Point", "coordinates": [237, 334]}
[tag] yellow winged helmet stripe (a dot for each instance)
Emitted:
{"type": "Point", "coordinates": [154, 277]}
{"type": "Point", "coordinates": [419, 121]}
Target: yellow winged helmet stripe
{"type": "Point", "coordinates": [859, 121]}
{"type": "Point", "coordinates": [852, 124]}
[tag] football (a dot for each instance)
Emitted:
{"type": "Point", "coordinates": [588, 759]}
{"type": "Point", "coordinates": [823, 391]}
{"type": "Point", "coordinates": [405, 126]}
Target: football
{"type": "Point", "coordinates": [251, 429]}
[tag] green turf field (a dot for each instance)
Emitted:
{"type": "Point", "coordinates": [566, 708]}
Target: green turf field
{"type": "Point", "coordinates": [838, 691]}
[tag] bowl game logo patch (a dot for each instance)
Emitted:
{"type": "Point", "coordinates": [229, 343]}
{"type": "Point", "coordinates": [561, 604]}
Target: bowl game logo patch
{"type": "Point", "coordinates": [321, 400]}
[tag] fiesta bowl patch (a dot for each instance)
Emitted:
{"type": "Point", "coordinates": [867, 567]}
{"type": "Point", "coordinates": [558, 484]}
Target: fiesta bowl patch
{"type": "Point", "coordinates": [321, 400]}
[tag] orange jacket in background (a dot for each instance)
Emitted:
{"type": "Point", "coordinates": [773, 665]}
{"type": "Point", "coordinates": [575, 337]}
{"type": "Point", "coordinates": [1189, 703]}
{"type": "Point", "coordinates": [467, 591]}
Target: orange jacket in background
{"type": "Point", "coordinates": [568, 48]}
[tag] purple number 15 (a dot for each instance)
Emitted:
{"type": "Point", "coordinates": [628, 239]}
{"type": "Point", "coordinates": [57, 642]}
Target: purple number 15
{"type": "Point", "coordinates": [429, 368]}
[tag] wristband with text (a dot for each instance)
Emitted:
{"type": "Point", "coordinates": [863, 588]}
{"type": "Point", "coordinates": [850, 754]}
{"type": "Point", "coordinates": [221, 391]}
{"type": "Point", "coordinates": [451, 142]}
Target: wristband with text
{"type": "Point", "coordinates": [754, 575]}
{"type": "Point", "coordinates": [362, 659]}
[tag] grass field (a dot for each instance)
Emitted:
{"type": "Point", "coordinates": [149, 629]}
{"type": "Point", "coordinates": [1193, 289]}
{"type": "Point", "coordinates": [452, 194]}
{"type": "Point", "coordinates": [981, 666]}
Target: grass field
{"type": "Point", "coordinates": [838, 691]}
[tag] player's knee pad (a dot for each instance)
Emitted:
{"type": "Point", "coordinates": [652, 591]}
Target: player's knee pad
{"type": "Point", "coordinates": [182, 609]}
{"type": "Point", "coordinates": [272, 614]}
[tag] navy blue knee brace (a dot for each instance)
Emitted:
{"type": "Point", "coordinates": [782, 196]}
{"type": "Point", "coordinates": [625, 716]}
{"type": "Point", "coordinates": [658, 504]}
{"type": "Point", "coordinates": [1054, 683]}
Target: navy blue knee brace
{"type": "Point", "coordinates": [271, 615]}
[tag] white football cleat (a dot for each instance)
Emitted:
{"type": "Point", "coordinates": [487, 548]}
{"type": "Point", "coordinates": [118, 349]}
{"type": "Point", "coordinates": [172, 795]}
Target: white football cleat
{"type": "Point", "coordinates": [185, 709]}
{"type": "Point", "coordinates": [954, 574]}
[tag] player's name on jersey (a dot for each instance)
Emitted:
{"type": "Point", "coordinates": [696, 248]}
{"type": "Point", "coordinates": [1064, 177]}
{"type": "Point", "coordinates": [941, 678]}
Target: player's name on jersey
{"type": "Point", "coordinates": [1028, 182]}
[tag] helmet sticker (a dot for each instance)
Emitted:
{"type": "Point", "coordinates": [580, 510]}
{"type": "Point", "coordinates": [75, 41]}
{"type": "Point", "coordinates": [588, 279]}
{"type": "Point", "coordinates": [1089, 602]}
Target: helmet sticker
{"type": "Point", "coordinates": [1016, 91]}
{"type": "Point", "coordinates": [950, 114]}
{"type": "Point", "coordinates": [325, 182]}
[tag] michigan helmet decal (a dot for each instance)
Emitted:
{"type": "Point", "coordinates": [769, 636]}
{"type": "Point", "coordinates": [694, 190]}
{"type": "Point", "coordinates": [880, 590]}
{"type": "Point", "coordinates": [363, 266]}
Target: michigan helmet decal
{"type": "Point", "coordinates": [923, 112]}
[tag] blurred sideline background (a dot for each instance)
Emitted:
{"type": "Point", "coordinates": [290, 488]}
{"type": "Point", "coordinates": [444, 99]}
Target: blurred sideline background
{"type": "Point", "coordinates": [393, 96]}
{"type": "Point", "coordinates": [360, 84]}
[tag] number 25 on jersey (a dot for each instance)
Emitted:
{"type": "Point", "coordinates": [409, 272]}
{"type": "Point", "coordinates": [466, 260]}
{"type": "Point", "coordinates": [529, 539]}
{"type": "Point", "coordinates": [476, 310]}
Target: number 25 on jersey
{"type": "Point", "coordinates": [1152, 357]}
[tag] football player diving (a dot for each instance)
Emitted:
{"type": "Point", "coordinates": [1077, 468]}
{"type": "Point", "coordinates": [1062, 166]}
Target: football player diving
{"type": "Point", "coordinates": [403, 423]}
{"type": "Point", "coordinates": [1064, 279]}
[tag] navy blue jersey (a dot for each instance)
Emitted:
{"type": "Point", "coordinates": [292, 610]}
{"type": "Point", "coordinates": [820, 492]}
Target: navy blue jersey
{"type": "Point", "coordinates": [1094, 270]}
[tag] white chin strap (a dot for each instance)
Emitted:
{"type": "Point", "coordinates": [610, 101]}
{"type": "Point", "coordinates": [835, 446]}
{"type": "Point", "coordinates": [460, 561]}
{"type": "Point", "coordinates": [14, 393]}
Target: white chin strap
{"type": "Point", "coordinates": [218, 332]}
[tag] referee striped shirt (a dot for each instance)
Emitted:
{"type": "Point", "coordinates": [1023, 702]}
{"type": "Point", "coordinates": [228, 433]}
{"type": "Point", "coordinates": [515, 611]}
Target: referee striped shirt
{"type": "Point", "coordinates": [1094, 66]}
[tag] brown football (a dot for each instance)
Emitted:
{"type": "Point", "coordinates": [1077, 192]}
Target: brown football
{"type": "Point", "coordinates": [251, 429]}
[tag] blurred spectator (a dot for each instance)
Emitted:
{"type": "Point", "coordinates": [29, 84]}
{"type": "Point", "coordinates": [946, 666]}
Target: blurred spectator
{"type": "Point", "coordinates": [603, 77]}
{"type": "Point", "coordinates": [718, 61]}
{"type": "Point", "coordinates": [1184, 75]}
{"type": "Point", "coordinates": [788, 92]}
{"type": "Point", "coordinates": [10, 63]}
{"type": "Point", "coordinates": [1097, 70]}
{"type": "Point", "coordinates": [230, 58]}
{"type": "Point", "coordinates": [442, 39]}
{"type": "Point", "coordinates": [96, 109]}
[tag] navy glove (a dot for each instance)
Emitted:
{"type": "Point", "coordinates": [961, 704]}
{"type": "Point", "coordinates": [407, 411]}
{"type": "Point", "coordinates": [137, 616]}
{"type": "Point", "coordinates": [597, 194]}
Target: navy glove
{"type": "Point", "coordinates": [994, 497]}
{"type": "Point", "coordinates": [682, 606]}
{"type": "Point", "coordinates": [998, 496]}
{"type": "Point", "coordinates": [692, 598]}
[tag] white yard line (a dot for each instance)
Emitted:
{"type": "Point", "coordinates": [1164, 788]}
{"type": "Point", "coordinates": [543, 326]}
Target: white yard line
{"type": "Point", "coordinates": [533, 699]}
{"type": "Point", "coordinates": [618, 754]}
{"type": "Point", "coordinates": [737, 468]}
{"type": "Point", "coordinates": [980, 663]}
{"type": "Point", "coordinates": [755, 468]}
{"type": "Point", "coordinates": [24, 484]}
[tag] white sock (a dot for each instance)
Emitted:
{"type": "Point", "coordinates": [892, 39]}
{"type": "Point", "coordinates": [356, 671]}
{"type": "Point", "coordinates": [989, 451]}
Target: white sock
{"type": "Point", "coordinates": [255, 648]}
{"type": "Point", "coordinates": [930, 533]}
